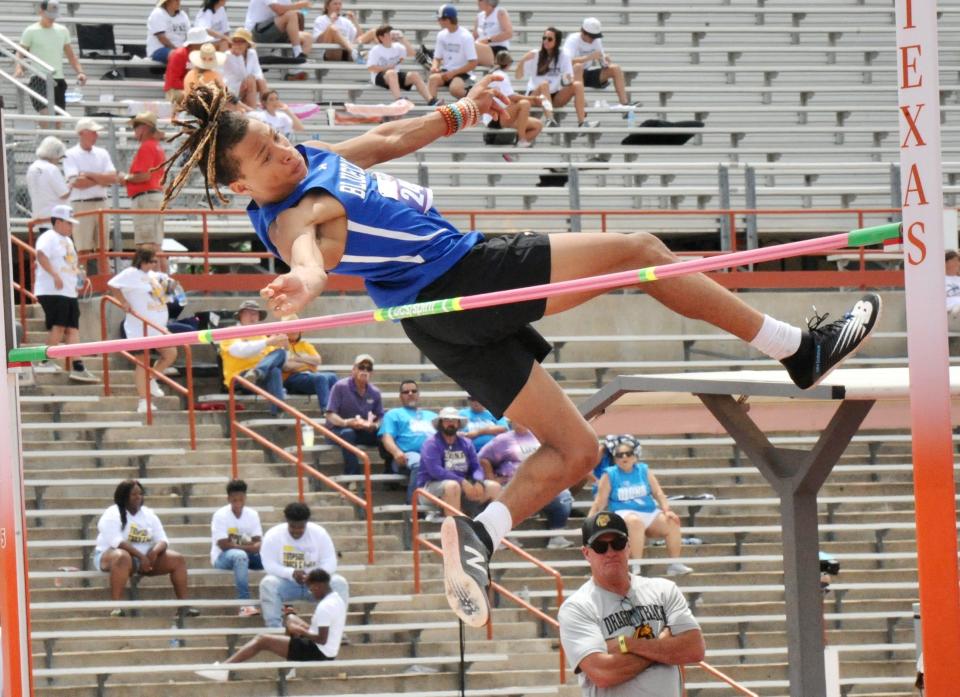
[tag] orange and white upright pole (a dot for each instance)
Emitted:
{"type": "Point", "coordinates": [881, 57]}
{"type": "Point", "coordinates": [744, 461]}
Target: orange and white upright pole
{"type": "Point", "coordinates": [918, 87]}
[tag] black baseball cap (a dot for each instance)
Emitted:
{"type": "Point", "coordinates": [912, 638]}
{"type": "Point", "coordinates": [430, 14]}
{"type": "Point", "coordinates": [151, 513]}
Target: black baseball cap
{"type": "Point", "coordinates": [600, 524]}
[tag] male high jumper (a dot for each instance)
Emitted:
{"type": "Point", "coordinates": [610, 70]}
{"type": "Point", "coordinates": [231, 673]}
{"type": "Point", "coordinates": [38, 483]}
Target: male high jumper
{"type": "Point", "coordinates": [318, 208]}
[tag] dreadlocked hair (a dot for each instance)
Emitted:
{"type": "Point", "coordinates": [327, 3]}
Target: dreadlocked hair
{"type": "Point", "coordinates": [209, 130]}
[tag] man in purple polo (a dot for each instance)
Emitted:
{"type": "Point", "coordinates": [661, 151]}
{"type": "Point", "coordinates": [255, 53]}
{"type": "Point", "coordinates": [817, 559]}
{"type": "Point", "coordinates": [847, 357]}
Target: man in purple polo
{"type": "Point", "coordinates": [449, 468]}
{"type": "Point", "coordinates": [355, 409]}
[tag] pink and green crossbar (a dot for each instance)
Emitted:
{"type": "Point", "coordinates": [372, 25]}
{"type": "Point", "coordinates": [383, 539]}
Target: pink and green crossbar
{"type": "Point", "coordinates": [855, 238]}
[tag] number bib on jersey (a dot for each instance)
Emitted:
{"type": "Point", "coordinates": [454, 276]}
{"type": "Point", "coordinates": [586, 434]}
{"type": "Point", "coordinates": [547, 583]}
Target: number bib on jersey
{"type": "Point", "coordinates": [419, 198]}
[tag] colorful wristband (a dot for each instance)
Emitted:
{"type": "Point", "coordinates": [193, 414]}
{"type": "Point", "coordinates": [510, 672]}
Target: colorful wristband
{"type": "Point", "coordinates": [622, 641]}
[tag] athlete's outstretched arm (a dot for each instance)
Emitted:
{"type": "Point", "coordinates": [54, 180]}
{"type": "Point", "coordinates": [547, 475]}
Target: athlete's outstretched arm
{"type": "Point", "coordinates": [398, 138]}
{"type": "Point", "coordinates": [295, 235]}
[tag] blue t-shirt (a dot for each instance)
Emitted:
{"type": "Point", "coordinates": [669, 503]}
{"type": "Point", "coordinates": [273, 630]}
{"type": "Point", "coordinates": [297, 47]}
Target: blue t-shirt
{"type": "Point", "coordinates": [396, 240]}
{"type": "Point", "coordinates": [479, 419]}
{"type": "Point", "coordinates": [408, 427]}
{"type": "Point", "coordinates": [630, 491]}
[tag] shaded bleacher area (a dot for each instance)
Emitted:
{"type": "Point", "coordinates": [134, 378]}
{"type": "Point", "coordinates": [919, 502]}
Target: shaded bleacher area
{"type": "Point", "coordinates": [798, 101]}
{"type": "Point", "coordinates": [79, 443]}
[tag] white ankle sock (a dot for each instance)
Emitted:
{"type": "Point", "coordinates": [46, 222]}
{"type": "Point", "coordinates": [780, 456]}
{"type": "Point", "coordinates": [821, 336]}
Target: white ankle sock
{"type": "Point", "coordinates": [297, 50]}
{"type": "Point", "coordinates": [777, 339]}
{"type": "Point", "coordinates": [497, 520]}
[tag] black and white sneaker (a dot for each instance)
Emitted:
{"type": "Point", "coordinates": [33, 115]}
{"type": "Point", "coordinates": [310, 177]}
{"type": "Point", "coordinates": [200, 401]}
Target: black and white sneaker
{"type": "Point", "coordinates": [824, 347]}
{"type": "Point", "coordinates": [467, 549]}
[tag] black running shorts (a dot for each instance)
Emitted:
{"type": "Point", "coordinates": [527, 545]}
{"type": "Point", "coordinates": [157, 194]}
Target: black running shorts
{"type": "Point", "coordinates": [380, 81]}
{"type": "Point", "coordinates": [301, 649]}
{"type": "Point", "coordinates": [60, 311]}
{"type": "Point", "coordinates": [488, 352]}
{"type": "Point", "coordinates": [591, 78]}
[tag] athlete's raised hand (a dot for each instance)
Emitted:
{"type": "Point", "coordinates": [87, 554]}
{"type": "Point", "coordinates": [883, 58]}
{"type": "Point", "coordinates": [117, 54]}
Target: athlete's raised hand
{"type": "Point", "coordinates": [489, 99]}
{"type": "Point", "coordinates": [293, 291]}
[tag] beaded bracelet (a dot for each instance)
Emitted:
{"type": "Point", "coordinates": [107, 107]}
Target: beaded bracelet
{"type": "Point", "coordinates": [460, 115]}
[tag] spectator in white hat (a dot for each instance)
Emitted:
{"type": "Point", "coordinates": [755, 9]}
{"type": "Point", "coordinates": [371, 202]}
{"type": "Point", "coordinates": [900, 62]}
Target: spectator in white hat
{"type": "Point", "coordinates": [212, 16]}
{"type": "Point", "coordinates": [89, 170]}
{"type": "Point", "coordinates": [167, 28]}
{"type": "Point", "coordinates": [590, 64]}
{"type": "Point", "coordinates": [49, 42]}
{"type": "Point", "coordinates": [207, 62]}
{"type": "Point", "coordinates": [178, 64]}
{"type": "Point", "coordinates": [449, 466]}
{"type": "Point", "coordinates": [56, 281]}
{"type": "Point", "coordinates": [45, 182]}
{"type": "Point", "coordinates": [242, 73]}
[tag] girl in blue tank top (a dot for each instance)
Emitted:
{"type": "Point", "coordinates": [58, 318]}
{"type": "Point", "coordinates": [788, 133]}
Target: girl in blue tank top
{"type": "Point", "coordinates": [396, 240]}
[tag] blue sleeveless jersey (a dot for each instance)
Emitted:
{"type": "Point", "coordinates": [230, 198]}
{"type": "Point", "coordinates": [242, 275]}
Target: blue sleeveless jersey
{"type": "Point", "coordinates": [630, 491]}
{"type": "Point", "coordinates": [396, 240]}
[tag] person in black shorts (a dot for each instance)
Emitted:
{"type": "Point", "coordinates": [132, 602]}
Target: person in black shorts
{"type": "Point", "coordinates": [281, 27]}
{"type": "Point", "coordinates": [321, 209]}
{"type": "Point", "coordinates": [317, 640]}
{"type": "Point", "coordinates": [383, 61]}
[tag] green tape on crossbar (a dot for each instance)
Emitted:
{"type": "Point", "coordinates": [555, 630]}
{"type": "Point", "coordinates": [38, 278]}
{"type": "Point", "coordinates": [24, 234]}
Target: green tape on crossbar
{"type": "Point", "coordinates": [873, 235]}
{"type": "Point", "coordinates": [27, 354]}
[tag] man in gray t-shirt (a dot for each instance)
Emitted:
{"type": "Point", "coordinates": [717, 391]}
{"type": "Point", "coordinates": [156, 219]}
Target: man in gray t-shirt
{"type": "Point", "coordinates": [625, 635]}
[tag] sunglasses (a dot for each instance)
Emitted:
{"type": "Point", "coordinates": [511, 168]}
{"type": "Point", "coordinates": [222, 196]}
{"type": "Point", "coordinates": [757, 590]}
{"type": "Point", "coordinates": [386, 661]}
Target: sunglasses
{"type": "Point", "coordinates": [549, 38]}
{"type": "Point", "coordinates": [409, 391]}
{"type": "Point", "coordinates": [365, 366]}
{"type": "Point", "coordinates": [624, 453]}
{"type": "Point", "coordinates": [601, 546]}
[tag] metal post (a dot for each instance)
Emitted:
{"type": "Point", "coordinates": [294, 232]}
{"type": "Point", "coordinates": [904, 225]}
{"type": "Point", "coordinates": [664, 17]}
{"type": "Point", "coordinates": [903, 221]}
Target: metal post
{"type": "Point", "coordinates": [723, 186]}
{"type": "Point", "coordinates": [423, 174]}
{"type": "Point", "coordinates": [896, 191]}
{"type": "Point", "coordinates": [51, 97]}
{"type": "Point", "coordinates": [116, 239]}
{"type": "Point", "coordinates": [573, 184]}
{"type": "Point", "coordinates": [750, 193]}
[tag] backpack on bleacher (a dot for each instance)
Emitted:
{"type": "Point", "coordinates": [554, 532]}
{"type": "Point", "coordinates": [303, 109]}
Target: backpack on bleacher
{"type": "Point", "coordinates": [662, 138]}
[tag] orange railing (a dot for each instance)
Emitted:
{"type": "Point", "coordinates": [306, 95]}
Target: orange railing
{"type": "Point", "coordinates": [297, 460]}
{"type": "Point", "coordinates": [450, 510]}
{"type": "Point", "coordinates": [149, 371]}
{"type": "Point", "coordinates": [737, 687]}
{"type": "Point", "coordinates": [23, 251]}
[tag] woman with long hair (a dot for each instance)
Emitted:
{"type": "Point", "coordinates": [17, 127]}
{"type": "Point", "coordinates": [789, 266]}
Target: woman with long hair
{"type": "Point", "coordinates": [131, 540]}
{"type": "Point", "coordinates": [212, 16]}
{"type": "Point", "coordinates": [550, 78]}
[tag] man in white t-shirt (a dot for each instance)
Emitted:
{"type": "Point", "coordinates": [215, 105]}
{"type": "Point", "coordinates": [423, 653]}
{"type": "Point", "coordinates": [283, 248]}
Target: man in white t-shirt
{"type": "Point", "coordinates": [590, 64]}
{"type": "Point", "coordinates": [454, 56]}
{"type": "Point", "coordinates": [625, 635]}
{"type": "Point", "coordinates": [278, 21]}
{"type": "Point", "coordinates": [45, 182]}
{"type": "Point", "coordinates": [89, 171]}
{"type": "Point", "coordinates": [236, 535]}
{"type": "Point", "coordinates": [382, 61]}
{"type": "Point", "coordinates": [318, 640]}
{"type": "Point", "coordinates": [167, 27]}
{"type": "Point", "coordinates": [289, 552]}
{"type": "Point", "coordinates": [56, 279]}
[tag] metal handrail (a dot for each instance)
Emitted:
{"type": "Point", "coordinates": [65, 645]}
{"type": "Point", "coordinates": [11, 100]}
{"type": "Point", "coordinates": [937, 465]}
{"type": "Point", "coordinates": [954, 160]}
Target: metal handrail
{"type": "Point", "coordinates": [558, 578]}
{"type": "Point", "coordinates": [18, 54]}
{"type": "Point", "coordinates": [23, 249]}
{"type": "Point", "coordinates": [300, 419]}
{"type": "Point", "coordinates": [150, 371]}
{"type": "Point", "coordinates": [722, 677]}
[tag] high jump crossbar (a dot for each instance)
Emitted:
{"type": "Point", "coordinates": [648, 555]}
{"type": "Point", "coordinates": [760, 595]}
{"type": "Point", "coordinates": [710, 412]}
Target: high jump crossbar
{"type": "Point", "coordinates": [855, 238]}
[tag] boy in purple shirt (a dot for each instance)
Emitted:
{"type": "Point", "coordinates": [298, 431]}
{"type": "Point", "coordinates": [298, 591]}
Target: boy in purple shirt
{"type": "Point", "coordinates": [449, 468]}
{"type": "Point", "coordinates": [500, 459]}
{"type": "Point", "coordinates": [355, 409]}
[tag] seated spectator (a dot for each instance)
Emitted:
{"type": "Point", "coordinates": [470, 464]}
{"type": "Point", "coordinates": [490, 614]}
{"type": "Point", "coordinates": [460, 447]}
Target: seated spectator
{"type": "Point", "coordinates": [131, 540]}
{"type": "Point", "coordinates": [236, 535]}
{"type": "Point", "coordinates": [141, 288]}
{"type": "Point", "coordinates": [518, 107]}
{"type": "Point", "coordinates": [481, 426]}
{"type": "Point", "coordinates": [277, 115]}
{"type": "Point", "coordinates": [630, 489]}
{"type": "Point", "coordinates": [449, 468]}
{"type": "Point", "coordinates": [167, 28]}
{"type": "Point", "coordinates": [952, 271]}
{"type": "Point", "coordinates": [205, 63]}
{"type": "Point", "coordinates": [550, 77]}
{"type": "Point", "coordinates": [492, 30]}
{"type": "Point", "coordinates": [317, 641]}
{"type": "Point", "coordinates": [382, 61]}
{"type": "Point", "coordinates": [355, 409]}
{"type": "Point", "coordinates": [56, 280]}
{"type": "Point", "coordinates": [259, 359]}
{"type": "Point", "coordinates": [403, 432]}
{"type": "Point", "coordinates": [591, 65]}
{"type": "Point", "coordinates": [178, 64]}
{"type": "Point", "coordinates": [302, 374]}
{"type": "Point", "coordinates": [212, 16]}
{"type": "Point", "coordinates": [454, 56]}
{"type": "Point", "coordinates": [500, 459]}
{"type": "Point", "coordinates": [242, 73]}
{"type": "Point", "coordinates": [45, 183]}
{"type": "Point", "coordinates": [290, 551]}
{"type": "Point", "coordinates": [278, 21]}
{"type": "Point", "coordinates": [337, 27]}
